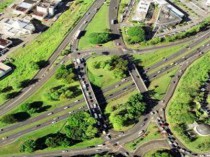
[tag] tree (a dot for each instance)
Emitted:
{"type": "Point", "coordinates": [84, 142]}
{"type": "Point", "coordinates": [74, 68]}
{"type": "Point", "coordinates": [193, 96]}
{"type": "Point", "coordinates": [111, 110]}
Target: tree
{"type": "Point", "coordinates": [32, 107]}
{"type": "Point", "coordinates": [9, 119]}
{"type": "Point", "coordinates": [99, 38]}
{"type": "Point", "coordinates": [28, 146]}
{"type": "Point", "coordinates": [119, 65]}
{"type": "Point", "coordinates": [56, 140]}
{"type": "Point", "coordinates": [136, 34]}
{"type": "Point", "coordinates": [66, 72]}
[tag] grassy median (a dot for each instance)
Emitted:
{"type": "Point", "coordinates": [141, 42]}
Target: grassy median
{"type": "Point", "coordinates": [99, 24]}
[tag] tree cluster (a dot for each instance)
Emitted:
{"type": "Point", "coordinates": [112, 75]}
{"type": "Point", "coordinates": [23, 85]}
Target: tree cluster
{"type": "Point", "coordinates": [81, 126]}
{"type": "Point", "coordinates": [128, 113]}
{"type": "Point", "coordinates": [66, 73]}
{"type": "Point", "coordinates": [61, 92]}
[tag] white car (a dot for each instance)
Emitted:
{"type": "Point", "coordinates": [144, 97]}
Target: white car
{"type": "Point", "coordinates": [50, 113]}
{"type": "Point", "coordinates": [64, 151]}
{"type": "Point", "coordinates": [65, 107]}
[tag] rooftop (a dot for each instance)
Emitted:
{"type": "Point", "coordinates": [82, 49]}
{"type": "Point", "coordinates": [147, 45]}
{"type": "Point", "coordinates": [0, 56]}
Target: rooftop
{"type": "Point", "coordinates": [4, 42]}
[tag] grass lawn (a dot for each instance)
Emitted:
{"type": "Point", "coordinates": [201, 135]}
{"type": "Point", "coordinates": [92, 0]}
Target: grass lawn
{"type": "Point", "coordinates": [182, 100]}
{"type": "Point", "coordinates": [150, 153]}
{"type": "Point", "coordinates": [13, 148]}
{"type": "Point", "coordinates": [152, 133]}
{"type": "Point", "coordinates": [161, 84]}
{"type": "Point", "coordinates": [111, 107]}
{"type": "Point", "coordinates": [42, 47]}
{"type": "Point", "coordinates": [4, 4]}
{"type": "Point", "coordinates": [150, 58]}
{"type": "Point", "coordinates": [100, 77]}
{"type": "Point", "coordinates": [98, 24]}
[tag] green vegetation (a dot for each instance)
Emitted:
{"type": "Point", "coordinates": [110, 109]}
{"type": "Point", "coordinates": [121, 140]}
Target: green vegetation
{"type": "Point", "coordinates": [135, 35]}
{"type": "Point", "coordinates": [126, 114]}
{"type": "Point", "coordinates": [106, 70]}
{"type": "Point", "coordinates": [14, 148]}
{"type": "Point", "coordinates": [113, 105]}
{"type": "Point", "coordinates": [161, 84]}
{"type": "Point", "coordinates": [99, 25]}
{"type": "Point", "coordinates": [184, 107]}
{"type": "Point", "coordinates": [4, 4]}
{"type": "Point", "coordinates": [99, 38]}
{"type": "Point", "coordinates": [56, 92]}
{"type": "Point", "coordinates": [152, 133]}
{"type": "Point", "coordinates": [150, 58]}
{"type": "Point", "coordinates": [80, 126]}
{"type": "Point", "coordinates": [40, 49]}
{"type": "Point", "coordinates": [192, 31]}
{"type": "Point", "coordinates": [167, 39]}
{"type": "Point", "coordinates": [123, 4]}
{"type": "Point", "coordinates": [161, 153]}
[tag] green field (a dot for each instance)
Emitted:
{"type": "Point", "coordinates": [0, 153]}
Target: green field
{"type": "Point", "coordinates": [4, 4]}
{"type": "Point", "coordinates": [98, 24]}
{"type": "Point", "coordinates": [161, 84]}
{"type": "Point", "coordinates": [152, 133]}
{"type": "Point", "coordinates": [178, 109]}
{"type": "Point", "coordinates": [150, 58]}
{"type": "Point", "coordinates": [41, 48]}
{"type": "Point", "coordinates": [100, 77]}
{"type": "Point", "coordinates": [13, 148]}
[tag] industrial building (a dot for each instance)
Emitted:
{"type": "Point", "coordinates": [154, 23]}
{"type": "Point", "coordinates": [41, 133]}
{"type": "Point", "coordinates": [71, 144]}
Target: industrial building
{"type": "Point", "coordinates": [166, 13]}
{"type": "Point", "coordinates": [24, 6]}
{"type": "Point", "coordinates": [4, 69]}
{"type": "Point", "coordinates": [45, 8]}
{"type": "Point", "coordinates": [13, 27]}
{"type": "Point", "coordinates": [4, 43]}
{"type": "Point", "coordinates": [39, 9]}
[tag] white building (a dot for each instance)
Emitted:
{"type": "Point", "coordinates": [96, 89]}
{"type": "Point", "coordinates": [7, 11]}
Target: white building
{"type": "Point", "coordinates": [45, 8]}
{"type": "Point", "coordinates": [4, 69]}
{"type": "Point", "coordinates": [167, 15]}
{"type": "Point", "coordinates": [208, 3]}
{"type": "Point", "coordinates": [16, 27]}
{"type": "Point", "coordinates": [141, 10]}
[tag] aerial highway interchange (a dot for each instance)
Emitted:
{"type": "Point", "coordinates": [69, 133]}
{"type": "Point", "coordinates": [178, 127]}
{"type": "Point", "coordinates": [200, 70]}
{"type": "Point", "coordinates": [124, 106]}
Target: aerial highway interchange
{"type": "Point", "coordinates": [93, 99]}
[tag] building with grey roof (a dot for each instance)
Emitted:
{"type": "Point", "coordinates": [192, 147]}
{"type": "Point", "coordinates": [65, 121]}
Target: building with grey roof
{"type": "Point", "coordinates": [13, 27]}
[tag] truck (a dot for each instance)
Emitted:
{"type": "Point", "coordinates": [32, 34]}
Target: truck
{"type": "Point", "coordinates": [77, 34]}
